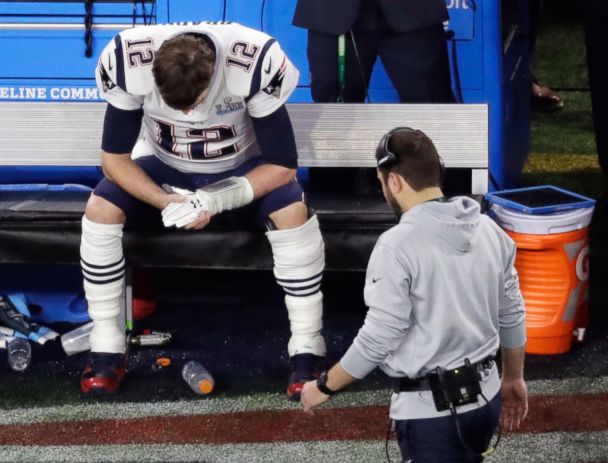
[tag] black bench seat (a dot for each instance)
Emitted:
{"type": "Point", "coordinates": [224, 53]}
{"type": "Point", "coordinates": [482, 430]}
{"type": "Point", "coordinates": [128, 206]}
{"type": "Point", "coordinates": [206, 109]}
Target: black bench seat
{"type": "Point", "coordinates": [43, 227]}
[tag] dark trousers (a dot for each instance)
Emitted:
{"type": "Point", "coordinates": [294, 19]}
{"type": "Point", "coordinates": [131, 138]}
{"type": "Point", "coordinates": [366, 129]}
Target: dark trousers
{"type": "Point", "coordinates": [435, 440]}
{"type": "Point", "coordinates": [596, 42]}
{"type": "Point", "coordinates": [416, 62]}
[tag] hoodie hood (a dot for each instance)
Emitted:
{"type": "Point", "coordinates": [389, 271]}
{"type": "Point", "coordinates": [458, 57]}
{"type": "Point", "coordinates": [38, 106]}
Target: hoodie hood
{"type": "Point", "coordinates": [455, 221]}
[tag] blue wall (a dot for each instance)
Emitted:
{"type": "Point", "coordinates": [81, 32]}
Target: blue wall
{"type": "Point", "coordinates": [483, 71]}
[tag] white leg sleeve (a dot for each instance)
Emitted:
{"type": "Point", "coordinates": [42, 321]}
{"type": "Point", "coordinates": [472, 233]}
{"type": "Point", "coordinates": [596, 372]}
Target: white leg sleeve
{"type": "Point", "coordinates": [299, 260]}
{"type": "Point", "coordinates": [103, 269]}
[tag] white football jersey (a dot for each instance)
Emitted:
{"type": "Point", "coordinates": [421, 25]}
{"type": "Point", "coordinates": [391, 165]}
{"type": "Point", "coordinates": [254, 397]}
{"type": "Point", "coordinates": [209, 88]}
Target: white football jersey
{"type": "Point", "coordinates": [252, 78]}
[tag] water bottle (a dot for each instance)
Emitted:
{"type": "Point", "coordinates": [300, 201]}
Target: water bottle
{"type": "Point", "coordinates": [19, 353]}
{"type": "Point", "coordinates": [77, 340]}
{"type": "Point", "coordinates": [197, 377]}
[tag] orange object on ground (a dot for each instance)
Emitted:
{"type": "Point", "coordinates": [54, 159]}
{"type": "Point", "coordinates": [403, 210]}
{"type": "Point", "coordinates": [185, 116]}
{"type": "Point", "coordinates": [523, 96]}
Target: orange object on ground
{"type": "Point", "coordinates": [144, 304]}
{"type": "Point", "coordinates": [553, 274]}
{"type": "Point", "coordinates": [163, 362]}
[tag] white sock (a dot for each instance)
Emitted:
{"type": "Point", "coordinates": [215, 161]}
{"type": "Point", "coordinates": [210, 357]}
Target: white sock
{"type": "Point", "coordinates": [299, 260]}
{"type": "Point", "coordinates": [103, 269]}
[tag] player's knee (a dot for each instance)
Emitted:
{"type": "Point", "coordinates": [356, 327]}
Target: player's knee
{"type": "Point", "coordinates": [291, 216]}
{"type": "Point", "coordinates": [100, 210]}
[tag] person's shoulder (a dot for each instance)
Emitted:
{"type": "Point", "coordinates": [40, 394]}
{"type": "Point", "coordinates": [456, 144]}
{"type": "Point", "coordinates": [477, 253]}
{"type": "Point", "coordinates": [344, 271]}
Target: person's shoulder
{"type": "Point", "coordinates": [399, 234]}
{"type": "Point", "coordinates": [130, 55]}
{"type": "Point", "coordinates": [244, 51]}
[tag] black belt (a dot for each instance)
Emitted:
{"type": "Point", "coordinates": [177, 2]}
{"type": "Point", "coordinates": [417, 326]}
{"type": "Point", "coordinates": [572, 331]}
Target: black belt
{"type": "Point", "coordinates": [423, 384]}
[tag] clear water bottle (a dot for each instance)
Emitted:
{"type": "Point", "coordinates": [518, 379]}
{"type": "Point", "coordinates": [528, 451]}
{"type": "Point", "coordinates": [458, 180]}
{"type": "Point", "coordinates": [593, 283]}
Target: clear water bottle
{"type": "Point", "coordinates": [77, 340]}
{"type": "Point", "coordinates": [19, 353]}
{"type": "Point", "coordinates": [197, 377]}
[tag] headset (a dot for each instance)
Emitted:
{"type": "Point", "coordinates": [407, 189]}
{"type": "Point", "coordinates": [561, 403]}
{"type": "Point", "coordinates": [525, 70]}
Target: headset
{"type": "Point", "coordinates": [385, 158]}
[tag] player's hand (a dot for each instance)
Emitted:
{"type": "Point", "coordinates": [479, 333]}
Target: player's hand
{"type": "Point", "coordinates": [311, 397]}
{"type": "Point", "coordinates": [514, 395]}
{"type": "Point", "coordinates": [186, 210]}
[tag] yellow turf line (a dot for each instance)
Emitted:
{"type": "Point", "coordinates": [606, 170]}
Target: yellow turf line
{"type": "Point", "coordinates": [551, 162]}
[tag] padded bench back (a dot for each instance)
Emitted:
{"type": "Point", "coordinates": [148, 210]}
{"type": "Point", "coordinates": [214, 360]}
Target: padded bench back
{"type": "Point", "coordinates": [327, 135]}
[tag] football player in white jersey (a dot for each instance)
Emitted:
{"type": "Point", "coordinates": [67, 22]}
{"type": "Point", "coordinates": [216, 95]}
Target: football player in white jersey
{"type": "Point", "coordinates": [209, 101]}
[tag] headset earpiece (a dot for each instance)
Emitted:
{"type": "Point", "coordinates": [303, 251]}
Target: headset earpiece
{"type": "Point", "coordinates": [442, 170]}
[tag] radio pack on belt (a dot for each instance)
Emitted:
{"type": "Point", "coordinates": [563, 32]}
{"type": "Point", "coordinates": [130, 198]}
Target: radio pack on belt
{"type": "Point", "coordinates": [452, 388]}
{"type": "Point", "coordinates": [459, 386]}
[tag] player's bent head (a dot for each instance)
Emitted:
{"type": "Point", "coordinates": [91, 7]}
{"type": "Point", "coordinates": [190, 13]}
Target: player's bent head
{"type": "Point", "coordinates": [411, 154]}
{"type": "Point", "coordinates": [182, 69]}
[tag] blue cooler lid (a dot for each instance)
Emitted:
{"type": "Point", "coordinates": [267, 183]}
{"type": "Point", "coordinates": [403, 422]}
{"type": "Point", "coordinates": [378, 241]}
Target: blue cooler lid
{"type": "Point", "coordinates": [546, 199]}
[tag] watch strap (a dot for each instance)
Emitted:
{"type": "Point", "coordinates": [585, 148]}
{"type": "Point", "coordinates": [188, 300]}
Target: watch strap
{"type": "Point", "coordinates": [322, 384]}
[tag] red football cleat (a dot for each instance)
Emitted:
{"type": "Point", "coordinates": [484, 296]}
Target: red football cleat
{"type": "Point", "coordinates": [102, 374]}
{"type": "Point", "coordinates": [305, 367]}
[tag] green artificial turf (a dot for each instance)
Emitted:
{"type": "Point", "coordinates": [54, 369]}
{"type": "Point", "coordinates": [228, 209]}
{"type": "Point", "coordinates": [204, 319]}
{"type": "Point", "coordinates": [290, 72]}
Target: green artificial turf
{"type": "Point", "coordinates": [563, 151]}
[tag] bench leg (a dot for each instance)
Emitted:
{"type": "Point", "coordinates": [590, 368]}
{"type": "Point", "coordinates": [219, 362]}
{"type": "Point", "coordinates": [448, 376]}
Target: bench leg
{"type": "Point", "coordinates": [479, 181]}
{"type": "Point", "coordinates": [126, 301]}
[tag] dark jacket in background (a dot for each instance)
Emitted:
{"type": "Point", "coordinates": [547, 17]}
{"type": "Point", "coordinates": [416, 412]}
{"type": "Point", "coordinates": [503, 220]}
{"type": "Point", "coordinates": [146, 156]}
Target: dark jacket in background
{"type": "Point", "coordinates": [337, 17]}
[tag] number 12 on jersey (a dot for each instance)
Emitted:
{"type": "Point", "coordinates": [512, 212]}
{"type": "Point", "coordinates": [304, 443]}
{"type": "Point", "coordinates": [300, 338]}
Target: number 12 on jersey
{"type": "Point", "coordinates": [194, 143]}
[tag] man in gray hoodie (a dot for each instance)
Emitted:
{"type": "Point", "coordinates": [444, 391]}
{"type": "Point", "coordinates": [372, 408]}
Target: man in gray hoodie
{"type": "Point", "coordinates": [443, 297]}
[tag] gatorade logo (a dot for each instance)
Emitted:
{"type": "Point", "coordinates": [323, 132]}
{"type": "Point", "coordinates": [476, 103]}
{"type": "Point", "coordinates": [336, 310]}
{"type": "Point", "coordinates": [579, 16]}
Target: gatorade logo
{"type": "Point", "coordinates": [582, 264]}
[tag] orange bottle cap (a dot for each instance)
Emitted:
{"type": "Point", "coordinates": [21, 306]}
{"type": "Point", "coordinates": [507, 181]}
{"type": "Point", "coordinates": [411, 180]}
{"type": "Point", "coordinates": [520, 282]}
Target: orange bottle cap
{"type": "Point", "coordinates": [205, 386]}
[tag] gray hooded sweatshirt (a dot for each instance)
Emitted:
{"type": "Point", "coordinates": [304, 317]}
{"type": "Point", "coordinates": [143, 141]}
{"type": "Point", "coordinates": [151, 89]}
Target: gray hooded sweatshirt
{"type": "Point", "coordinates": [440, 286]}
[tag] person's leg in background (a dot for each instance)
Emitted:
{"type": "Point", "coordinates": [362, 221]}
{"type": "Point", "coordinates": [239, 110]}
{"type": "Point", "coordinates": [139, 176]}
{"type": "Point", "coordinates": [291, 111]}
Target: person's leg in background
{"type": "Point", "coordinates": [322, 52]}
{"type": "Point", "coordinates": [361, 54]}
{"type": "Point", "coordinates": [324, 87]}
{"type": "Point", "coordinates": [418, 66]}
{"type": "Point", "coordinates": [541, 97]}
{"type": "Point", "coordinates": [596, 42]}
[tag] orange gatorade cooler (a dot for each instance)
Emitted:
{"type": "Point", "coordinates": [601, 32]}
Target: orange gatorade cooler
{"type": "Point", "coordinates": [552, 262]}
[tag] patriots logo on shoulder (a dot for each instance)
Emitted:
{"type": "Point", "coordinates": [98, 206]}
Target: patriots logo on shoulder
{"type": "Point", "coordinates": [106, 80]}
{"type": "Point", "coordinates": [274, 87]}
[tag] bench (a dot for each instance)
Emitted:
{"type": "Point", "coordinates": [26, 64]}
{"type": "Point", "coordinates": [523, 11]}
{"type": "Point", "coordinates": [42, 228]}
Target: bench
{"type": "Point", "coordinates": [42, 226]}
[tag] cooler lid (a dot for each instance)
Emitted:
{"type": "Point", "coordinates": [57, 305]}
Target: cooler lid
{"type": "Point", "coordinates": [543, 199]}
{"type": "Point", "coordinates": [541, 224]}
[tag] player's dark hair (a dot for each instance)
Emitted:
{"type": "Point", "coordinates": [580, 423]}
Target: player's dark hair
{"type": "Point", "coordinates": [411, 154]}
{"type": "Point", "coordinates": [182, 69]}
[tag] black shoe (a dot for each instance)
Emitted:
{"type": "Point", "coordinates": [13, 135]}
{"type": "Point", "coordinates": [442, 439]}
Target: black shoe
{"type": "Point", "coordinates": [304, 367]}
{"type": "Point", "coordinates": [102, 374]}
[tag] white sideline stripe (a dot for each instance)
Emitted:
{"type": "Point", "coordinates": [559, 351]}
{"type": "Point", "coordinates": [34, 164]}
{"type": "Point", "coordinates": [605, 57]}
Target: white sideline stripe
{"type": "Point", "coordinates": [531, 448]}
{"type": "Point", "coordinates": [207, 405]}
{"type": "Point", "coordinates": [218, 404]}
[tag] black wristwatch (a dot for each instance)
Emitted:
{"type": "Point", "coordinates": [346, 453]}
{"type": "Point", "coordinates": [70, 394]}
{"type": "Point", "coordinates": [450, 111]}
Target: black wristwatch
{"type": "Point", "coordinates": [322, 384]}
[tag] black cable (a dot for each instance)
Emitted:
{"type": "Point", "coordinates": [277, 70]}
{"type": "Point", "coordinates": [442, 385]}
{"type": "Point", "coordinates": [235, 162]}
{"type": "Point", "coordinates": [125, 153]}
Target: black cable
{"type": "Point", "coordinates": [262, 15]}
{"type": "Point", "coordinates": [147, 18]}
{"type": "Point", "coordinates": [224, 12]}
{"type": "Point", "coordinates": [462, 441]}
{"type": "Point", "coordinates": [388, 435]}
{"type": "Point", "coordinates": [88, 28]}
{"type": "Point", "coordinates": [352, 37]}
{"type": "Point", "coordinates": [152, 15]}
